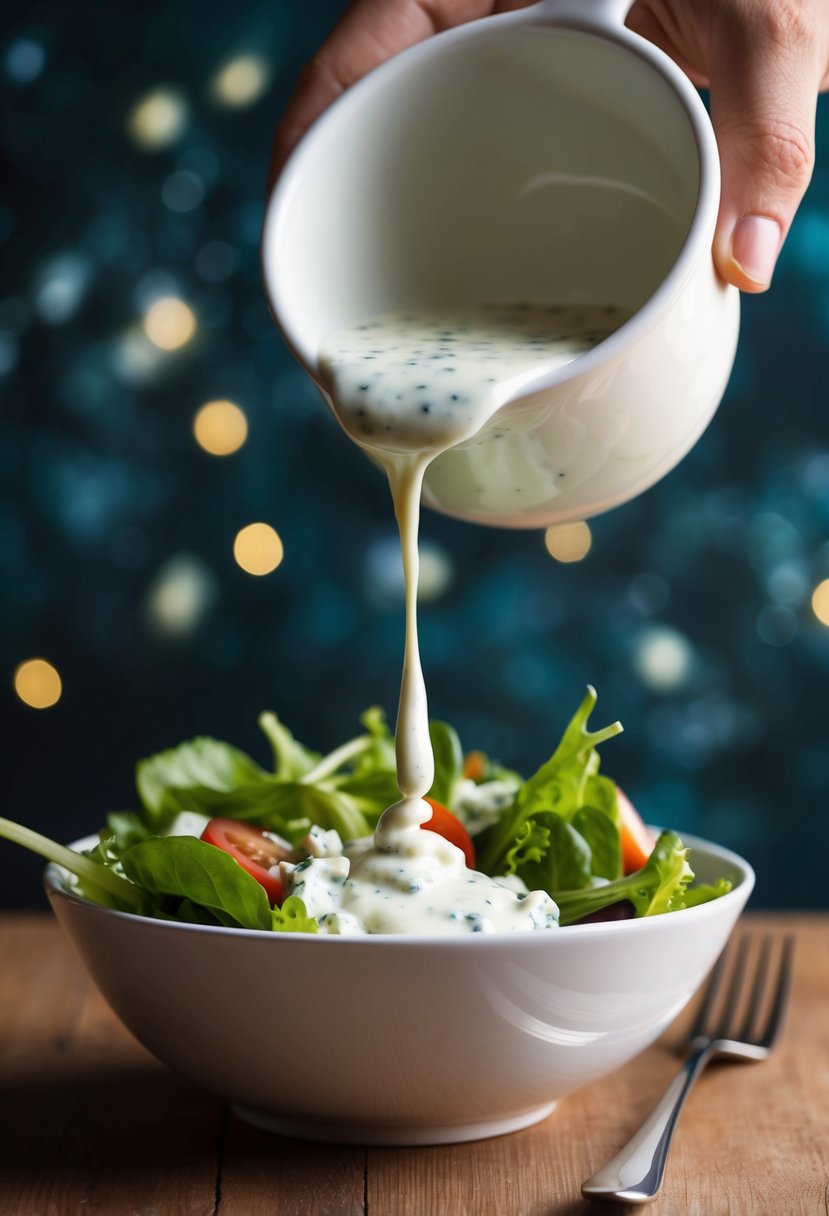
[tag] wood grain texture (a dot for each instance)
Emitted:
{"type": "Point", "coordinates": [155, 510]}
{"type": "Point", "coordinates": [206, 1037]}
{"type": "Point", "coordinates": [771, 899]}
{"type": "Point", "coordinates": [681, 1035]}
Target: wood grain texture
{"type": "Point", "coordinates": [90, 1123]}
{"type": "Point", "coordinates": [265, 1175]}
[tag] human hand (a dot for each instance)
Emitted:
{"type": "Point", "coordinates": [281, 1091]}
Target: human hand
{"type": "Point", "coordinates": [764, 61]}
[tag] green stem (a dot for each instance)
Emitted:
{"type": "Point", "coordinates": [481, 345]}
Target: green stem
{"type": "Point", "coordinates": [596, 737]}
{"type": "Point", "coordinates": [336, 759]}
{"type": "Point", "coordinates": [83, 867]}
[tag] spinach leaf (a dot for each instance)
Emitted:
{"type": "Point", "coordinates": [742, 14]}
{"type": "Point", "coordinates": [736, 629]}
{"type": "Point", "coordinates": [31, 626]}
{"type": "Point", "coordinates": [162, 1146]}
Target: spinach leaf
{"type": "Point", "coordinates": [603, 839]}
{"type": "Point", "coordinates": [194, 914]}
{"type": "Point", "coordinates": [552, 856]}
{"type": "Point", "coordinates": [191, 869]}
{"type": "Point", "coordinates": [446, 747]}
{"type": "Point", "coordinates": [600, 792]}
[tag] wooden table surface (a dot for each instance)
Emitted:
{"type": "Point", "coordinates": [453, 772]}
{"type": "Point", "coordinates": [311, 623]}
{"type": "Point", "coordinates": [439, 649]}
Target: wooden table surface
{"type": "Point", "coordinates": [90, 1123]}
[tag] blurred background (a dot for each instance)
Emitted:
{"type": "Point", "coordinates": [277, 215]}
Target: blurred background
{"type": "Point", "coordinates": [187, 539]}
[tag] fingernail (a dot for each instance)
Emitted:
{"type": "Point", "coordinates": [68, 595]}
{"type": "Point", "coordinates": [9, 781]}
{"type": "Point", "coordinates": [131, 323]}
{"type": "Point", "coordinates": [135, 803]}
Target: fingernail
{"type": "Point", "coordinates": [755, 243]}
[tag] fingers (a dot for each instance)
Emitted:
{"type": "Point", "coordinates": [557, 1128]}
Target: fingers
{"type": "Point", "coordinates": [764, 84]}
{"type": "Point", "coordinates": [370, 32]}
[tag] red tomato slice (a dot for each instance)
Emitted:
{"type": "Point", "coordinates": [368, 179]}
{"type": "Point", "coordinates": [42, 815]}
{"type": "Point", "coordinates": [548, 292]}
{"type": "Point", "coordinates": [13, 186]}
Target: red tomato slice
{"type": "Point", "coordinates": [254, 851]}
{"type": "Point", "coordinates": [637, 841]}
{"type": "Point", "coordinates": [450, 828]}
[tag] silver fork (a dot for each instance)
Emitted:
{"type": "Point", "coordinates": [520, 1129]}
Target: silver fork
{"type": "Point", "coordinates": [635, 1174]}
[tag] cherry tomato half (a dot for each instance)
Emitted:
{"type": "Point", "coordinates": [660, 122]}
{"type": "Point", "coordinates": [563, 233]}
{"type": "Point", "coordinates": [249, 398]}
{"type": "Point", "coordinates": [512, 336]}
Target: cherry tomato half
{"type": "Point", "coordinates": [254, 851]}
{"type": "Point", "coordinates": [637, 841]}
{"type": "Point", "coordinates": [450, 828]}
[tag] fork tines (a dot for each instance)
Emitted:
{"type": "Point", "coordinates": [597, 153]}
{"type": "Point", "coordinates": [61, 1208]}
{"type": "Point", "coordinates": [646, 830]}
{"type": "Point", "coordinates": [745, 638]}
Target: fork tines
{"type": "Point", "coordinates": [747, 991]}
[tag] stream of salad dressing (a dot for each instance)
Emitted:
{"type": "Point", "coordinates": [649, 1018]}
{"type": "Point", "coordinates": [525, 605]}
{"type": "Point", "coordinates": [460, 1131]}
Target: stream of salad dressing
{"type": "Point", "coordinates": [406, 387]}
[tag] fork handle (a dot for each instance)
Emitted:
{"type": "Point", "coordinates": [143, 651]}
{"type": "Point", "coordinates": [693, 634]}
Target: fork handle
{"type": "Point", "coordinates": [635, 1174]}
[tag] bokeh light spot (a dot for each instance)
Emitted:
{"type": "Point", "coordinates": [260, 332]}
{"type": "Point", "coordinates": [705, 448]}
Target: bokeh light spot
{"type": "Point", "coordinates": [37, 683]}
{"type": "Point", "coordinates": [158, 119]}
{"type": "Point", "coordinates": [383, 572]}
{"type": "Point", "coordinates": [820, 602]}
{"type": "Point", "coordinates": [135, 359]}
{"type": "Point", "coordinates": [180, 595]}
{"type": "Point", "coordinates": [663, 658]}
{"type": "Point", "coordinates": [241, 81]}
{"type": "Point", "coordinates": [568, 542]}
{"type": "Point", "coordinates": [182, 191]}
{"type": "Point", "coordinates": [24, 60]}
{"type": "Point", "coordinates": [258, 549]}
{"type": "Point", "coordinates": [169, 323]}
{"type": "Point", "coordinates": [61, 286]}
{"type": "Point", "coordinates": [220, 428]}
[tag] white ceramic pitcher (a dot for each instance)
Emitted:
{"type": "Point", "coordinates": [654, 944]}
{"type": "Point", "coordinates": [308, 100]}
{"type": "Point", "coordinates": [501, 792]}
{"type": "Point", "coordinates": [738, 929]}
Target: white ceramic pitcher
{"type": "Point", "coordinates": [548, 155]}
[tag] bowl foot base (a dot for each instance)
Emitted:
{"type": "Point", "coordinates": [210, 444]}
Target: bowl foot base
{"type": "Point", "coordinates": [342, 1133]}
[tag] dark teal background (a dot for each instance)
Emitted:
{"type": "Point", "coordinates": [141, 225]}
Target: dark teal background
{"type": "Point", "coordinates": [103, 484]}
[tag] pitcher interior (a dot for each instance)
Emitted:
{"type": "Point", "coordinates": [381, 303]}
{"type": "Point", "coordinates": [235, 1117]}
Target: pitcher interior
{"type": "Point", "coordinates": [523, 162]}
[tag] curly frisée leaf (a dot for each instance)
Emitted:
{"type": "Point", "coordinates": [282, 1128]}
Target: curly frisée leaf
{"type": "Point", "coordinates": [293, 917]}
{"type": "Point", "coordinates": [703, 892]}
{"type": "Point", "coordinates": [669, 864]}
{"type": "Point", "coordinates": [658, 887]}
{"type": "Point", "coordinates": [531, 844]}
{"type": "Point", "coordinates": [559, 787]}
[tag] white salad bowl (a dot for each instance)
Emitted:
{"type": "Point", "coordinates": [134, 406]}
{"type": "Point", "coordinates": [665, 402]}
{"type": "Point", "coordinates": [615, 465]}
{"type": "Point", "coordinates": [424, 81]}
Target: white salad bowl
{"type": "Point", "coordinates": [400, 1040]}
{"type": "Point", "coordinates": [547, 155]}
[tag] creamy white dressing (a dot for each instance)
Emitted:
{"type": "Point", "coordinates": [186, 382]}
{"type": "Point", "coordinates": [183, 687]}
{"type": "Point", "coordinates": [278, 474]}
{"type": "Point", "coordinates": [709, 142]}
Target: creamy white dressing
{"type": "Point", "coordinates": [426, 890]}
{"type": "Point", "coordinates": [406, 387]}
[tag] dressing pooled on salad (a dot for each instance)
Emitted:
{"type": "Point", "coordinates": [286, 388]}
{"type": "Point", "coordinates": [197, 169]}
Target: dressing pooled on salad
{"type": "Point", "coordinates": [406, 387]}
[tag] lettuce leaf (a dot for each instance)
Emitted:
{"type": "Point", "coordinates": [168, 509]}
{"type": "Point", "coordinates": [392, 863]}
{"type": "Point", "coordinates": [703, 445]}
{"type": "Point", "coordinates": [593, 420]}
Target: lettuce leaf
{"type": "Point", "coordinates": [660, 886]}
{"type": "Point", "coordinates": [446, 748]}
{"type": "Point", "coordinates": [291, 759]}
{"type": "Point", "coordinates": [560, 786]}
{"type": "Point", "coordinates": [188, 777]}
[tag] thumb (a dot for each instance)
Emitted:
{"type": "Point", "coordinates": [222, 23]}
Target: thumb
{"type": "Point", "coordinates": [763, 102]}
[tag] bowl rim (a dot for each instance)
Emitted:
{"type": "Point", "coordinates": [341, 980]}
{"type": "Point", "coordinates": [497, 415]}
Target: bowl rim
{"type": "Point", "coordinates": [54, 883]}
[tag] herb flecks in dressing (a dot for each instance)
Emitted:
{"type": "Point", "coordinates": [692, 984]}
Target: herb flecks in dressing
{"type": "Point", "coordinates": [406, 387]}
{"type": "Point", "coordinates": [423, 382]}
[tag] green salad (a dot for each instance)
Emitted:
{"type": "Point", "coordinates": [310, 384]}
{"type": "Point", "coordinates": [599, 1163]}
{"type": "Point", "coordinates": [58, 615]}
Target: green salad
{"type": "Point", "coordinates": [216, 833]}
